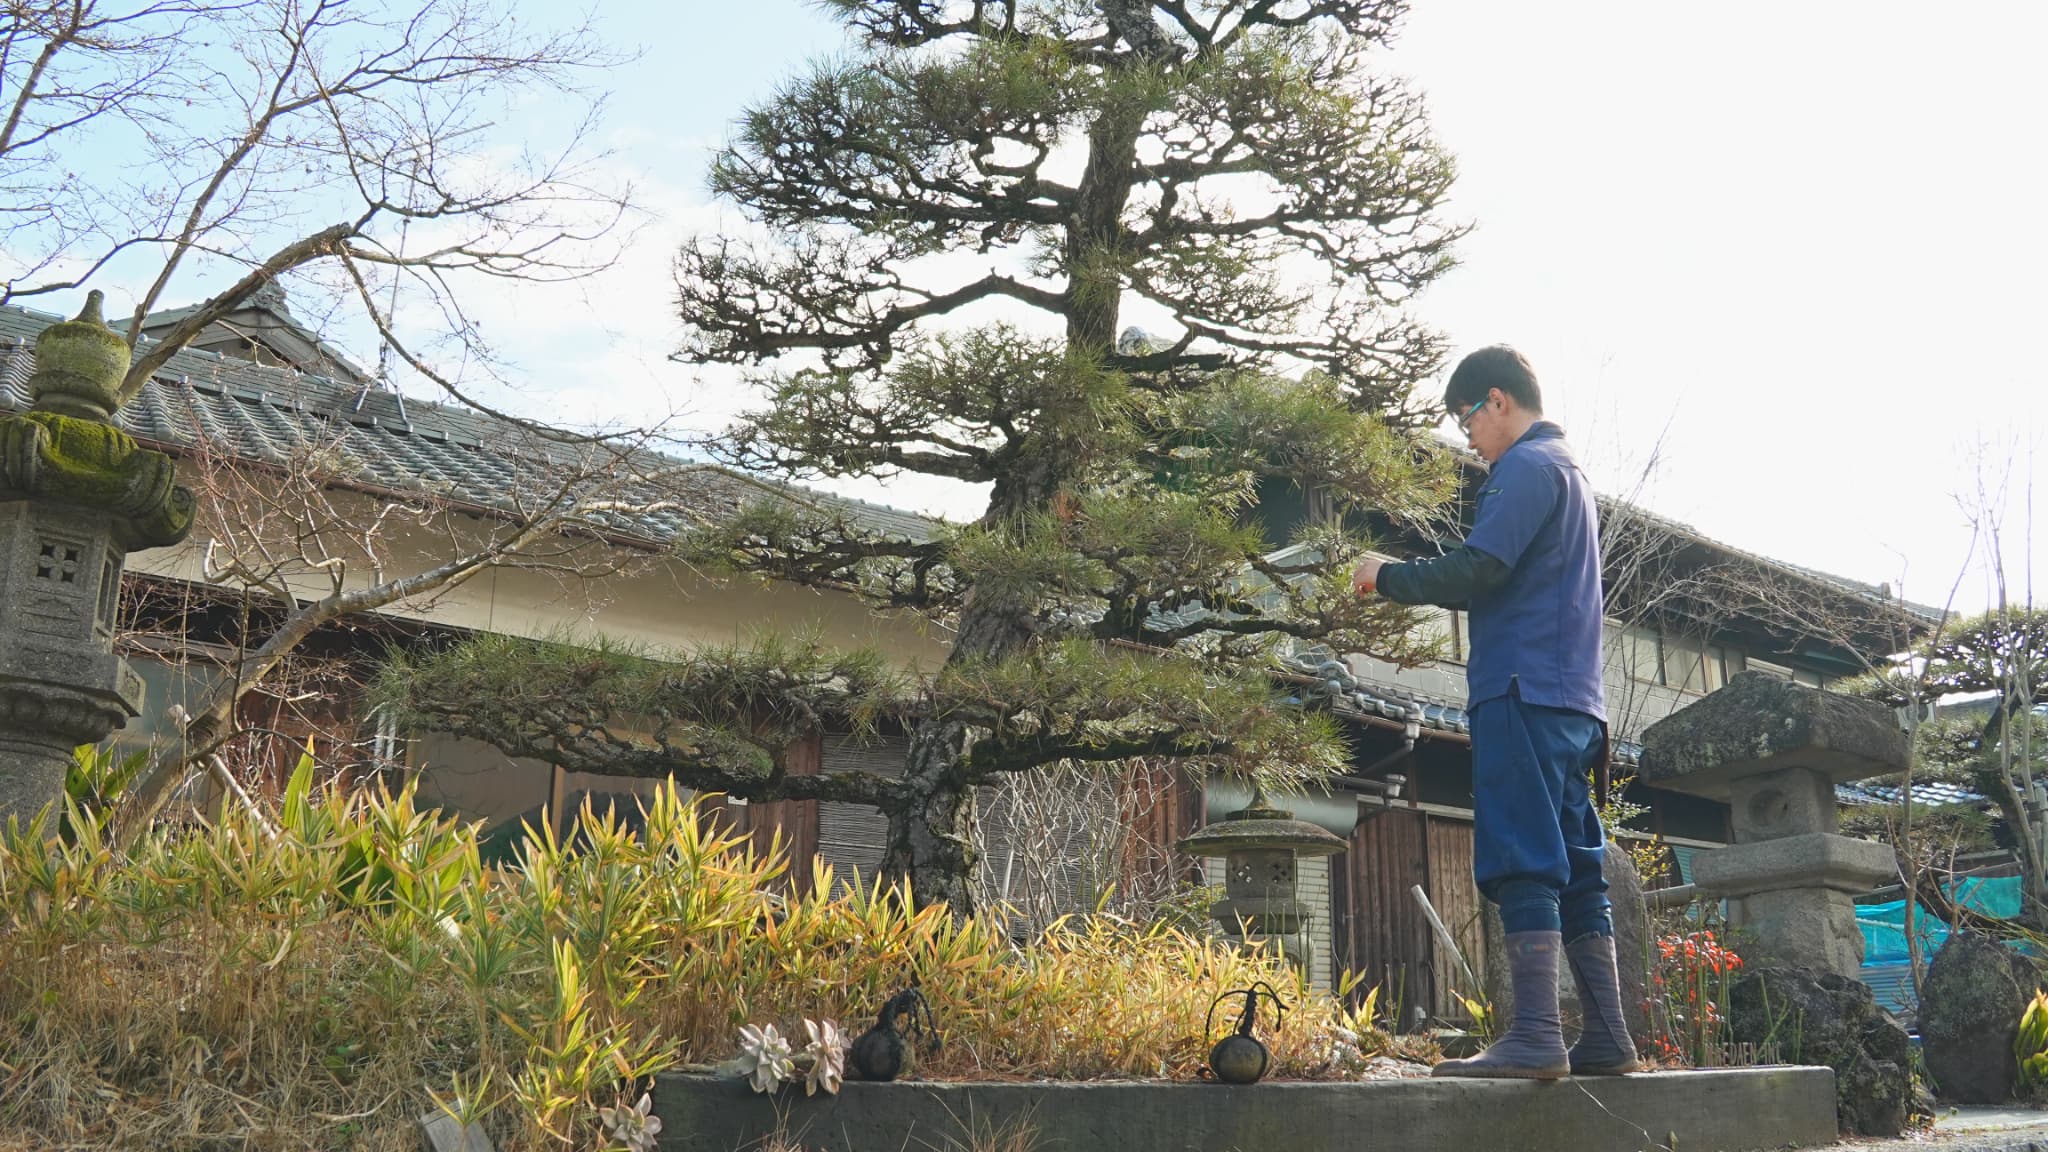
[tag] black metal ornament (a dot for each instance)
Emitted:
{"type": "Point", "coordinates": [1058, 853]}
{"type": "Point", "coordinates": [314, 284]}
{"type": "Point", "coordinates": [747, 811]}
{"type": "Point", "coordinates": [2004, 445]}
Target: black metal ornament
{"type": "Point", "coordinates": [881, 1052]}
{"type": "Point", "coordinates": [1239, 1058]}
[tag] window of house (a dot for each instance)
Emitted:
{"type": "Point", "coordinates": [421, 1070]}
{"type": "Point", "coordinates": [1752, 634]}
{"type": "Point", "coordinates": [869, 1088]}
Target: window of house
{"type": "Point", "coordinates": [1444, 625]}
{"type": "Point", "coordinates": [1685, 664]}
{"type": "Point", "coordinates": [1642, 655]}
{"type": "Point", "coordinates": [176, 682]}
{"type": "Point", "coordinates": [1322, 506]}
{"type": "Point", "coordinates": [475, 781]}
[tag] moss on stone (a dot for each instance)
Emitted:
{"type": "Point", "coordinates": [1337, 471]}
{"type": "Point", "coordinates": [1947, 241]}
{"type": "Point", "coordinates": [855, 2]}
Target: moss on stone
{"type": "Point", "coordinates": [72, 460]}
{"type": "Point", "coordinates": [79, 366]}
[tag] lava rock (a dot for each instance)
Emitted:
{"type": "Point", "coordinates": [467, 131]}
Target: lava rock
{"type": "Point", "coordinates": [1970, 1007]}
{"type": "Point", "coordinates": [1819, 1017]}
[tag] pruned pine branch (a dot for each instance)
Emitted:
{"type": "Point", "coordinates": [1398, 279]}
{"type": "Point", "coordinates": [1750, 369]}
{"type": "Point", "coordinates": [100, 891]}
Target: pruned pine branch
{"type": "Point", "coordinates": [862, 167]}
{"type": "Point", "coordinates": [1075, 700]}
{"type": "Point", "coordinates": [715, 718]}
{"type": "Point", "coordinates": [780, 538]}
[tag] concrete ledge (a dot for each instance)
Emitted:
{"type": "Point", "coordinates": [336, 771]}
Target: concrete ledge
{"type": "Point", "coordinates": [1732, 1110]}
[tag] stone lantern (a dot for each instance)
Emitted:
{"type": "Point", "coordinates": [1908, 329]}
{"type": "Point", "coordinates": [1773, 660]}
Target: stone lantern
{"type": "Point", "coordinates": [1773, 751]}
{"type": "Point", "coordinates": [76, 496]}
{"type": "Point", "coordinates": [1261, 847]}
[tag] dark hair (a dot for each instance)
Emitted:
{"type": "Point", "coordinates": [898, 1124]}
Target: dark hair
{"type": "Point", "coordinates": [1497, 367]}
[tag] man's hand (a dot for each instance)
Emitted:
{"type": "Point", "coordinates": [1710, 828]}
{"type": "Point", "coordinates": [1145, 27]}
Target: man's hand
{"type": "Point", "coordinates": [1366, 577]}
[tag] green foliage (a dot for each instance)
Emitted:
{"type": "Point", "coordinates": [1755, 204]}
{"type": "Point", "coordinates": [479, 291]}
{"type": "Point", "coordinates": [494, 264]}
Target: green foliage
{"type": "Point", "coordinates": [1993, 652]}
{"type": "Point", "coordinates": [99, 776]}
{"type": "Point", "coordinates": [358, 960]}
{"type": "Point", "coordinates": [720, 710]}
{"type": "Point", "coordinates": [1110, 705]}
{"type": "Point", "coordinates": [2030, 1045]}
{"type": "Point", "coordinates": [934, 136]}
{"type": "Point", "coordinates": [1239, 426]}
{"type": "Point", "coordinates": [2002, 650]}
{"type": "Point", "coordinates": [1120, 480]}
{"type": "Point", "coordinates": [1236, 165]}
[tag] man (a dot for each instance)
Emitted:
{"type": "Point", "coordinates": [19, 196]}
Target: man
{"type": "Point", "coordinates": [1529, 577]}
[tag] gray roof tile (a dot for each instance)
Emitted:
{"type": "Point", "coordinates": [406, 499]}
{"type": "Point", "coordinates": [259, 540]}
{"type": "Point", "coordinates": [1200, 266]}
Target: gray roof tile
{"type": "Point", "coordinates": [268, 414]}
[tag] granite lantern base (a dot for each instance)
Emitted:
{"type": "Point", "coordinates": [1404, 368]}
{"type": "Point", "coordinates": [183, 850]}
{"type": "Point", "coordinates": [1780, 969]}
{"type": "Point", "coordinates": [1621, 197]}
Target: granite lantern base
{"type": "Point", "coordinates": [1798, 893]}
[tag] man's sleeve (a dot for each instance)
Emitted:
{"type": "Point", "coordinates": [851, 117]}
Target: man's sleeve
{"type": "Point", "coordinates": [1448, 581]}
{"type": "Point", "coordinates": [1514, 505]}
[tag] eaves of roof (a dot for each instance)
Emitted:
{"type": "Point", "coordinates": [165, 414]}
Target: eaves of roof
{"type": "Point", "coordinates": [1323, 678]}
{"type": "Point", "coordinates": [1877, 596]}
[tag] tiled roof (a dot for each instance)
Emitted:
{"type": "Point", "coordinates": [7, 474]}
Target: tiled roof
{"type": "Point", "coordinates": [269, 414]}
{"type": "Point", "coordinates": [1612, 507]}
{"type": "Point", "coordinates": [1874, 593]}
{"type": "Point", "coordinates": [1352, 697]}
{"type": "Point", "coordinates": [1934, 794]}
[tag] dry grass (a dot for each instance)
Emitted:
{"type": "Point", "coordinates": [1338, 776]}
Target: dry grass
{"type": "Point", "coordinates": [323, 986]}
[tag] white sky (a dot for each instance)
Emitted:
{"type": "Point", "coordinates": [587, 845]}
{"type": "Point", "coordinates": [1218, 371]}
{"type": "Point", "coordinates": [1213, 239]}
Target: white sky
{"type": "Point", "coordinates": [1798, 248]}
{"type": "Point", "coordinates": [1801, 245]}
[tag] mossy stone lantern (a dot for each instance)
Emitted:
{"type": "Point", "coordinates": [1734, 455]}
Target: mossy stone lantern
{"type": "Point", "coordinates": [1261, 847]}
{"type": "Point", "coordinates": [76, 496]}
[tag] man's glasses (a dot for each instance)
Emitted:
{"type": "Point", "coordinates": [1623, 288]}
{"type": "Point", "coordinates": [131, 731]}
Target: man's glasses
{"type": "Point", "coordinates": [1465, 422]}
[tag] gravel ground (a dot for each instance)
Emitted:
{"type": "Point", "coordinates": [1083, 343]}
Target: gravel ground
{"type": "Point", "coordinates": [1970, 1130]}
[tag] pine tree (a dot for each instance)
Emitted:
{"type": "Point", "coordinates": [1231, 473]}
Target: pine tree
{"type": "Point", "coordinates": [956, 221]}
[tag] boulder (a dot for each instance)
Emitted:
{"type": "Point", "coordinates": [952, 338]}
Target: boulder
{"type": "Point", "coordinates": [1819, 1017]}
{"type": "Point", "coordinates": [1970, 1006]}
{"type": "Point", "coordinates": [1631, 939]}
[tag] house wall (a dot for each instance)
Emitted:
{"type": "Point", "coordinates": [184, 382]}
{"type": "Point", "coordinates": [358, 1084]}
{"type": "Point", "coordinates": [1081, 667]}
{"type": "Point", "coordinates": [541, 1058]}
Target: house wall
{"type": "Point", "coordinates": [1312, 887]}
{"type": "Point", "coordinates": [1648, 674]}
{"type": "Point", "coordinates": [653, 601]}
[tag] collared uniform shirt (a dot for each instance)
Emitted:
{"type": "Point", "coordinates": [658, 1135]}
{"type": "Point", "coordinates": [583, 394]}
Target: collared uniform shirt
{"type": "Point", "coordinates": [1539, 633]}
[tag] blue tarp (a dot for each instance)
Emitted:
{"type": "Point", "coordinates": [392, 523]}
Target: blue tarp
{"type": "Point", "coordinates": [1884, 925]}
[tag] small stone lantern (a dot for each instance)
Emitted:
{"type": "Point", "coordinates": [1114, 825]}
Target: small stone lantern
{"type": "Point", "coordinates": [1261, 847]}
{"type": "Point", "coordinates": [76, 496]}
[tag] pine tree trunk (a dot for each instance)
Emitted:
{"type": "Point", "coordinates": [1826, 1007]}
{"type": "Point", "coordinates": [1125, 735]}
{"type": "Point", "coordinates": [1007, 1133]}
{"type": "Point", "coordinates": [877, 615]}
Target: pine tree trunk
{"type": "Point", "coordinates": [931, 841]}
{"type": "Point", "coordinates": [931, 837]}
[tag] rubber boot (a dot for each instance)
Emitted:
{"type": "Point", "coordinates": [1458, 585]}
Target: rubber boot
{"type": "Point", "coordinates": [1604, 1047]}
{"type": "Point", "coordinates": [1533, 1046]}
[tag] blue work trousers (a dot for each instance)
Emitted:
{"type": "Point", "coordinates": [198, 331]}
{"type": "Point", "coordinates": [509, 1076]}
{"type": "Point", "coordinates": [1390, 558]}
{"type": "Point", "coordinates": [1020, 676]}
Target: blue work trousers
{"type": "Point", "coordinates": [1537, 841]}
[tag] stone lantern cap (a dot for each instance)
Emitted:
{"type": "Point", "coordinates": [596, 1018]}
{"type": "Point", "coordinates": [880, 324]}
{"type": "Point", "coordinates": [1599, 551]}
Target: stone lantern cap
{"type": "Point", "coordinates": [1759, 724]}
{"type": "Point", "coordinates": [1260, 827]}
{"type": "Point", "coordinates": [65, 451]}
{"type": "Point", "coordinates": [79, 366]}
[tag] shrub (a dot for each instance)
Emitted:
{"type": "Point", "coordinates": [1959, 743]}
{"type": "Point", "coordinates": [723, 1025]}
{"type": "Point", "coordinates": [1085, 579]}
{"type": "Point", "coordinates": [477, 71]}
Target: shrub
{"type": "Point", "coordinates": [322, 978]}
{"type": "Point", "coordinates": [2030, 1046]}
{"type": "Point", "coordinates": [1689, 995]}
